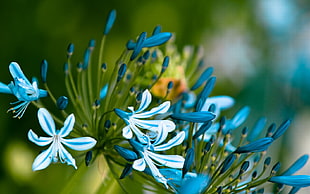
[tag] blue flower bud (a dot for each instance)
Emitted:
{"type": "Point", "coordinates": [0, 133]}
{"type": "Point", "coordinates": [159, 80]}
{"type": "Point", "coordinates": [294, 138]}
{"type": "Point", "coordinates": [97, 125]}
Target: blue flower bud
{"type": "Point", "coordinates": [110, 21]}
{"type": "Point", "coordinates": [165, 64]}
{"type": "Point", "coordinates": [86, 58]}
{"type": "Point", "coordinates": [154, 55]}
{"type": "Point", "coordinates": [203, 77]}
{"type": "Point", "coordinates": [297, 165]}
{"type": "Point", "coordinates": [126, 153]}
{"type": "Point", "coordinates": [88, 157]}
{"type": "Point", "coordinates": [107, 124]}
{"type": "Point", "coordinates": [189, 159]}
{"type": "Point", "coordinates": [139, 97]}
{"type": "Point", "coordinates": [202, 129]}
{"type": "Point", "coordinates": [79, 67]}
{"type": "Point", "coordinates": [104, 67]}
{"type": "Point", "coordinates": [70, 49]}
{"type": "Point", "coordinates": [282, 128]}
{"type": "Point", "coordinates": [139, 45]}
{"type": "Point", "coordinates": [156, 30]}
{"type": "Point", "coordinates": [275, 168]}
{"type": "Point", "coordinates": [267, 162]}
{"type": "Point", "coordinates": [44, 67]}
{"type": "Point", "coordinates": [127, 170]}
{"type": "Point", "coordinates": [197, 117]}
{"type": "Point", "coordinates": [157, 39]}
{"type": "Point", "coordinates": [104, 91]}
{"type": "Point", "coordinates": [130, 45]}
{"type": "Point", "coordinates": [229, 160]}
{"type": "Point", "coordinates": [270, 130]}
{"type": "Point", "coordinates": [121, 72]}
{"type": "Point", "coordinates": [91, 44]}
{"type": "Point", "coordinates": [96, 104]}
{"type": "Point", "coordinates": [62, 102]}
{"type": "Point", "coordinates": [294, 180]}
{"type": "Point", "coordinates": [256, 146]}
{"type": "Point", "coordinates": [136, 145]}
{"type": "Point", "coordinates": [257, 129]}
{"type": "Point", "coordinates": [202, 97]}
{"type": "Point", "coordinates": [170, 85]}
{"type": "Point", "coordinates": [244, 167]}
{"type": "Point", "coordinates": [146, 55]}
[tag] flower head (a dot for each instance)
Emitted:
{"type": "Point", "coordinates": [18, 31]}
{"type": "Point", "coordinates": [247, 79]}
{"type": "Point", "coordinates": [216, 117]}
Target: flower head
{"type": "Point", "coordinates": [24, 91]}
{"type": "Point", "coordinates": [56, 152]}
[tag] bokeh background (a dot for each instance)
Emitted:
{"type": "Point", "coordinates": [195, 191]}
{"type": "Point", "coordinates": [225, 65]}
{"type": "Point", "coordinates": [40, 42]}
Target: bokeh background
{"type": "Point", "coordinates": [260, 50]}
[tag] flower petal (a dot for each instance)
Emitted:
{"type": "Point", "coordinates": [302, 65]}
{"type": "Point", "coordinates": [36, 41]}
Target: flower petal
{"type": "Point", "coordinates": [176, 140]}
{"type": "Point", "coordinates": [16, 72]}
{"type": "Point", "coordinates": [221, 103]}
{"type": "Point", "coordinates": [68, 126]}
{"type": "Point", "coordinates": [40, 141]}
{"type": "Point", "coordinates": [145, 101]}
{"type": "Point", "coordinates": [46, 121]}
{"type": "Point", "coordinates": [80, 143]}
{"type": "Point", "coordinates": [139, 164]}
{"type": "Point", "coordinates": [44, 159]}
{"type": "Point", "coordinates": [65, 157]}
{"type": "Point", "coordinates": [5, 88]}
{"type": "Point", "coordinates": [127, 133]}
{"type": "Point", "coordinates": [173, 161]}
{"type": "Point", "coordinates": [163, 108]}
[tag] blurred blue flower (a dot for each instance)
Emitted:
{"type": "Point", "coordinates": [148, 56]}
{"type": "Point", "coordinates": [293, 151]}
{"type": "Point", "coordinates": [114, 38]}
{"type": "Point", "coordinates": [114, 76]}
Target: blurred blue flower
{"type": "Point", "coordinates": [56, 152]}
{"type": "Point", "coordinates": [24, 91]}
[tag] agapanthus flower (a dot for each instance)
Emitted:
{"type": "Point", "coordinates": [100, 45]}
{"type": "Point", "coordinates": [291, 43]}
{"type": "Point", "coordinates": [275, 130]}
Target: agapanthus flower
{"type": "Point", "coordinates": [56, 151]}
{"type": "Point", "coordinates": [24, 91]}
{"type": "Point", "coordinates": [148, 156]}
{"type": "Point", "coordinates": [136, 120]}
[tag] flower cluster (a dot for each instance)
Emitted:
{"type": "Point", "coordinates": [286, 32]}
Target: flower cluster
{"type": "Point", "coordinates": [151, 112]}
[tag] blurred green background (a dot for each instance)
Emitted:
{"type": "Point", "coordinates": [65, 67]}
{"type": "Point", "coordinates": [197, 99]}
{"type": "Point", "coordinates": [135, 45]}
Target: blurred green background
{"type": "Point", "coordinates": [260, 51]}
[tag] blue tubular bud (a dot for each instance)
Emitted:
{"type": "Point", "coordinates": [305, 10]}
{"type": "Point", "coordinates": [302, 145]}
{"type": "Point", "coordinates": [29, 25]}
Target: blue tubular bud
{"type": "Point", "coordinates": [104, 67]}
{"type": "Point", "coordinates": [282, 128]}
{"type": "Point", "coordinates": [256, 146]}
{"type": "Point", "coordinates": [205, 93]}
{"type": "Point", "coordinates": [139, 97]}
{"type": "Point", "coordinates": [104, 91]}
{"type": "Point", "coordinates": [270, 130]}
{"type": "Point", "coordinates": [146, 55]}
{"type": "Point", "coordinates": [170, 85]}
{"type": "Point", "coordinates": [62, 102]}
{"type": "Point", "coordinates": [66, 68]}
{"type": "Point", "coordinates": [136, 145]}
{"type": "Point", "coordinates": [294, 190]}
{"type": "Point", "coordinates": [275, 168]}
{"type": "Point", "coordinates": [107, 124]}
{"type": "Point", "coordinates": [86, 58]}
{"type": "Point", "coordinates": [244, 167]}
{"type": "Point", "coordinates": [70, 49]}
{"type": "Point", "coordinates": [156, 30]}
{"type": "Point", "coordinates": [154, 54]}
{"type": "Point", "coordinates": [229, 160]}
{"type": "Point", "coordinates": [130, 45]}
{"type": "Point", "coordinates": [127, 170]}
{"type": "Point", "coordinates": [88, 157]}
{"type": "Point", "coordinates": [138, 46]}
{"type": "Point", "coordinates": [257, 129]}
{"type": "Point", "coordinates": [165, 64]}
{"type": "Point", "coordinates": [91, 44]}
{"type": "Point", "coordinates": [157, 39]}
{"type": "Point", "coordinates": [197, 117]}
{"type": "Point", "coordinates": [267, 162]}
{"type": "Point", "coordinates": [121, 72]}
{"type": "Point", "coordinates": [297, 165]}
{"type": "Point", "coordinates": [189, 159]}
{"type": "Point", "coordinates": [203, 77]}
{"type": "Point", "coordinates": [294, 180]}
{"type": "Point", "coordinates": [110, 21]}
{"type": "Point", "coordinates": [125, 153]}
{"type": "Point", "coordinates": [44, 67]}
{"type": "Point", "coordinates": [202, 129]}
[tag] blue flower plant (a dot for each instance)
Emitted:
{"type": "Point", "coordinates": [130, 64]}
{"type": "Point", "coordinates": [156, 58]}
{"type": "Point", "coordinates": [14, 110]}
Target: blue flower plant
{"type": "Point", "coordinates": [173, 138]}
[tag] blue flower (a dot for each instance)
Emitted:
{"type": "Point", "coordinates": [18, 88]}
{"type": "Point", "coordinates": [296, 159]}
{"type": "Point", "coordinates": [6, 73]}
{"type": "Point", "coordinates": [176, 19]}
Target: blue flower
{"type": "Point", "coordinates": [135, 120]}
{"type": "Point", "coordinates": [24, 91]}
{"type": "Point", "coordinates": [56, 152]}
{"type": "Point", "coordinates": [147, 155]}
{"type": "Point", "coordinates": [293, 180]}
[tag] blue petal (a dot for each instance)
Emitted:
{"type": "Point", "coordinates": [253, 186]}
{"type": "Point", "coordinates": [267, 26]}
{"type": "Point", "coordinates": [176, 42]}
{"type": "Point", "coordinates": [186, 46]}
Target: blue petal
{"type": "Point", "coordinates": [157, 39]}
{"type": "Point", "coordinates": [80, 143]}
{"type": "Point", "coordinates": [256, 146]}
{"type": "Point", "coordinates": [198, 117]}
{"type": "Point", "coordinates": [42, 93]}
{"type": "Point", "coordinates": [44, 159]}
{"type": "Point", "coordinates": [40, 141]}
{"type": "Point", "coordinates": [203, 77]}
{"type": "Point", "coordinates": [139, 164]}
{"type": "Point", "coordinates": [155, 172]}
{"type": "Point", "coordinates": [194, 185]}
{"type": "Point", "coordinates": [297, 165]}
{"type": "Point", "coordinates": [141, 136]}
{"type": "Point", "coordinates": [16, 72]}
{"type": "Point", "coordinates": [163, 108]}
{"type": "Point", "coordinates": [5, 88]}
{"type": "Point", "coordinates": [257, 129]}
{"type": "Point", "coordinates": [173, 161]}
{"type": "Point", "coordinates": [145, 101]}
{"type": "Point", "coordinates": [46, 121]}
{"type": "Point", "coordinates": [127, 133]}
{"type": "Point", "coordinates": [110, 21]}
{"type": "Point", "coordinates": [104, 91]}
{"type": "Point", "coordinates": [65, 157]}
{"type": "Point", "coordinates": [240, 117]}
{"type": "Point", "coordinates": [221, 103]}
{"type": "Point", "coordinates": [176, 140]}
{"type": "Point", "coordinates": [282, 128]}
{"type": "Point", "coordinates": [68, 126]}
